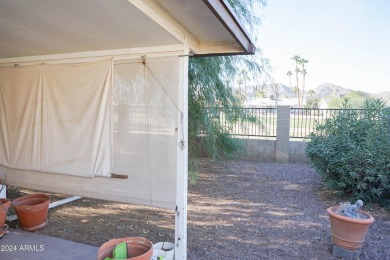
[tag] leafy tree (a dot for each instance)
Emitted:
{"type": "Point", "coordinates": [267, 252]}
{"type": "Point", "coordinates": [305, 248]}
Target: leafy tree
{"type": "Point", "coordinates": [260, 91]}
{"type": "Point", "coordinates": [354, 99]}
{"type": "Point", "coordinates": [243, 77]}
{"type": "Point", "coordinates": [357, 98]}
{"type": "Point", "coordinates": [335, 102]}
{"type": "Point", "coordinates": [313, 101]}
{"type": "Point", "coordinates": [211, 81]}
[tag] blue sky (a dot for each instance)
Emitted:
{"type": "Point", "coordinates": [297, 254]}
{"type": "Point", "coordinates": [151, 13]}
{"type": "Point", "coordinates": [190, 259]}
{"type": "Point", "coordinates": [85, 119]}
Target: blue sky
{"type": "Point", "coordinates": [347, 42]}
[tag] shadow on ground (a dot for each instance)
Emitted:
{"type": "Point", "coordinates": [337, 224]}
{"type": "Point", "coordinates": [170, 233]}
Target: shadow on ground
{"type": "Point", "coordinates": [236, 210]}
{"type": "Point", "coordinates": [245, 210]}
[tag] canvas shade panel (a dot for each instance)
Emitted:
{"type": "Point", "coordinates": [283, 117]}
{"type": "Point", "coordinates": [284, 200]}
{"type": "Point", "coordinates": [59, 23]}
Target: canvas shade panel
{"type": "Point", "coordinates": [21, 117]}
{"type": "Point", "coordinates": [146, 125]}
{"type": "Point", "coordinates": [57, 118]}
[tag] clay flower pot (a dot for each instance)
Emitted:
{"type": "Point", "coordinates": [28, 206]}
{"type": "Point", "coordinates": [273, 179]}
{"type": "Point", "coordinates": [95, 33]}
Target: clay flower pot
{"type": "Point", "coordinates": [5, 204]}
{"type": "Point", "coordinates": [32, 211]}
{"type": "Point", "coordinates": [138, 248]}
{"type": "Point", "coordinates": [346, 232]}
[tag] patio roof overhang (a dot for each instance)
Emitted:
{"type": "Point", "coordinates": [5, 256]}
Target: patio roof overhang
{"type": "Point", "coordinates": [47, 27]}
{"type": "Point", "coordinates": [40, 30]}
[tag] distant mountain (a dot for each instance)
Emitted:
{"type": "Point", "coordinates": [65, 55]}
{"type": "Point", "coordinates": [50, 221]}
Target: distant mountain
{"type": "Point", "coordinates": [330, 90]}
{"type": "Point", "coordinates": [384, 95]}
{"type": "Point", "coordinates": [323, 90]}
{"type": "Point", "coordinates": [285, 91]}
{"type": "Point", "coordinates": [326, 90]}
{"type": "Point", "coordinates": [280, 90]}
{"type": "Point", "coordinates": [275, 89]}
{"type": "Point", "coordinates": [269, 90]}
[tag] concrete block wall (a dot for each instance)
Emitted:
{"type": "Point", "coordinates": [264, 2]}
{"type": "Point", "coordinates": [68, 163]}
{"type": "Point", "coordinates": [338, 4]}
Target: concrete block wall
{"type": "Point", "coordinates": [282, 134]}
{"type": "Point", "coordinates": [279, 149]}
{"type": "Point", "coordinates": [263, 150]}
{"type": "Point", "coordinates": [259, 150]}
{"type": "Point", "coordinates": [297, 152]}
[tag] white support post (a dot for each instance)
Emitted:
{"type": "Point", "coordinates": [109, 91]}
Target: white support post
{"type": "Point", "coordinates": [182, 162]}
{"type": "Point", "coordinates": [3, 191]}
{"type": "Point", "coordinates": [3, 187]}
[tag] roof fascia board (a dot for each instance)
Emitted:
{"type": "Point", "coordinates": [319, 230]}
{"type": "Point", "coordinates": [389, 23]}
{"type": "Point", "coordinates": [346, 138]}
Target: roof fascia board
{"type": "Point", "coordinates": [218, 49]}
{"type": "Point", "coordinates": [225, 14]}
{"type": "Point", "coordinates": [166, 21]}
{"type": "Point", "coordinates": [154, 51]}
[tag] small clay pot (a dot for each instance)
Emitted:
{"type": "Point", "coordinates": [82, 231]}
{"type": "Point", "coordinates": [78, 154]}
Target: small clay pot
{"type": "Point", "coordinates": [5, 204]}
{"type": "Point", "coordinates": [138, 248]}
{"type": "Point", "coordinates": [32, 211]}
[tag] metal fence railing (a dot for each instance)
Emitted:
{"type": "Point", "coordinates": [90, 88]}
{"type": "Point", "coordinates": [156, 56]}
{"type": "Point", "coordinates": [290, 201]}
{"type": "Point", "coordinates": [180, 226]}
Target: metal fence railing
{"type": "Point", "coordinates": [144, 119]}
{"type": "Point", "coordinates": [302, 121]}
{"type": "Point", "coordinates": [258, 122]}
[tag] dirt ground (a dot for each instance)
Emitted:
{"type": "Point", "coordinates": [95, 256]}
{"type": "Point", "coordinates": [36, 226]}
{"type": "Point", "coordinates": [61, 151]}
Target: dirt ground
{"type": "Point", "coordinates": [236, 210]}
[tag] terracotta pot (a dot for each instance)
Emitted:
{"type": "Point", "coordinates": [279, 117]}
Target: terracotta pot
{"type": "Point", "coordinates": [138, 248]}
{"type": "Point", "coordinates": [348, 233]}
{"type": "Point", "coordinates": [3, 211]}
{"type": "Point", "coordinates": [32, 211]}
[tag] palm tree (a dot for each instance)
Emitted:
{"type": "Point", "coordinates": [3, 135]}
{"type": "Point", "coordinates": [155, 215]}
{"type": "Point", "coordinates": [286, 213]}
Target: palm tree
{"type": "Point", "coordinates": [304, 72]}
{"type": "Point", "coordinates": [313, 102]}
{"type": "Point", "coordinates": [296, 89]}
{"type": "Point", "coordinates": [297, 59]}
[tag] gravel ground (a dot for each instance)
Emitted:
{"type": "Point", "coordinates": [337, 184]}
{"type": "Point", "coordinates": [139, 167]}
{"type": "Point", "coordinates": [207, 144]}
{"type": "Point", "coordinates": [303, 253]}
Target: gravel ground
{"type": "Point", "coordinates": [237, 210]}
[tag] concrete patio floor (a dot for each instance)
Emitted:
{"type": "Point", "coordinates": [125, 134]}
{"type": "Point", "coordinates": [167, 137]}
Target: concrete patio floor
{"type": "Point", "coordinates": [19, 245]}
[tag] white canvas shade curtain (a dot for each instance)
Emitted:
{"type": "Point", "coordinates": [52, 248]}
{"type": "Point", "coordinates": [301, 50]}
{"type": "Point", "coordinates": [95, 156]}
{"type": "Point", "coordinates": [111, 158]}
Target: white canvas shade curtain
{"type": "Point", "coordinates": [145, 124]}
{"type": "Point", "coordinates": [93, 119]}
{"type": "Point", "coordinates": [55, 118]}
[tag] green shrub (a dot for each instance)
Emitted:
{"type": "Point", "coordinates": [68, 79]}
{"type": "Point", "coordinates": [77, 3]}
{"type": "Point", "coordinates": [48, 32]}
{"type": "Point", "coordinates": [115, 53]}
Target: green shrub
{"type": "Point", "coordinates": [351, 151]}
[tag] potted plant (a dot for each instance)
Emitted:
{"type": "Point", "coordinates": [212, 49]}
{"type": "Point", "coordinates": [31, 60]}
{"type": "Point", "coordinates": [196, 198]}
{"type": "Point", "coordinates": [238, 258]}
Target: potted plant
{"type": "Point", "coordinates": [349, 225]}
{"type": "Point", "coordinates": [32, 211]}
{"type": "Point", "coordinates": [135, 248]}
{"type": "Point", "coordinates": [4, 206]}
